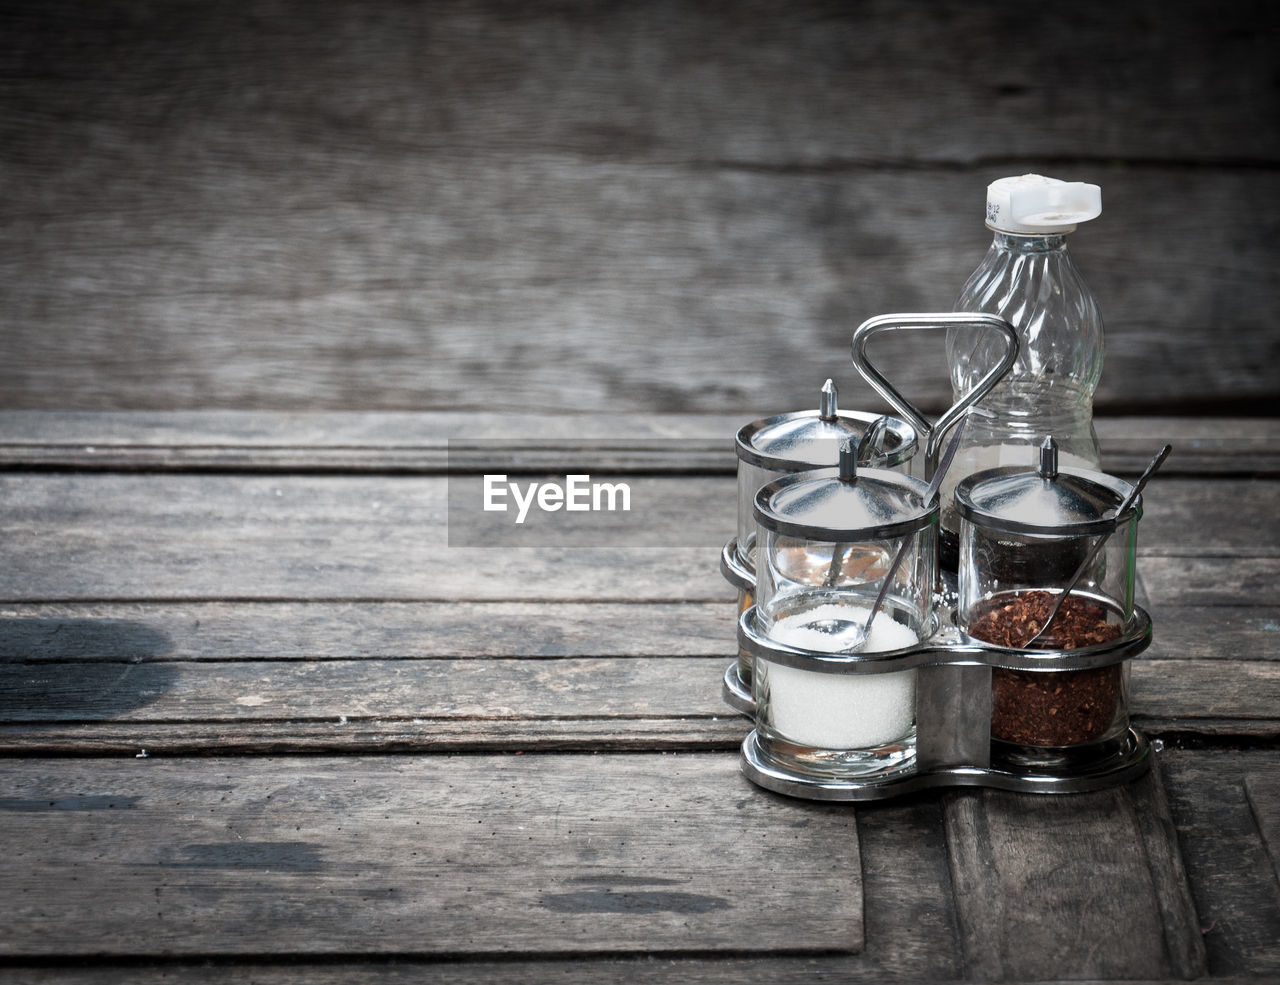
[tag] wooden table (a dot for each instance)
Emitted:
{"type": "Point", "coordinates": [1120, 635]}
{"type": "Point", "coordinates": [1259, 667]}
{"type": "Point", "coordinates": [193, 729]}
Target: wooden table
{"type": "Point", "coordinates": [258, 714]}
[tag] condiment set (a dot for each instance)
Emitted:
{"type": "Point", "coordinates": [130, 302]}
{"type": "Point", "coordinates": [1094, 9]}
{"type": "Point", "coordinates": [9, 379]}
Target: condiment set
{"type": "Point", "coordinates": [976, 630]}
{"type": "Point", "coordinates": [870, 674]}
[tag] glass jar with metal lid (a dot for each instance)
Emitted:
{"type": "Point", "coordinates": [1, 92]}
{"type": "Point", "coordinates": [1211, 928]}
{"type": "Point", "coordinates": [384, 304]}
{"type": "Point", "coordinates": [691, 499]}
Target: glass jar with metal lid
{"type": "Point", "coordinates": [782, 445]}
{"type": "Point", "coordinates": [1024, 535]}
{"type": "Point", "coordinates": [828, 541]}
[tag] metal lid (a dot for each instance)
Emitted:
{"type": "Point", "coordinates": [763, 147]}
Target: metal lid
{"type": "Point", "coordinates": [1047, 500]}
{"type": "Point", "coordinates": [844, 504]}
{"type": "Point", "coordinates": [810, 439]}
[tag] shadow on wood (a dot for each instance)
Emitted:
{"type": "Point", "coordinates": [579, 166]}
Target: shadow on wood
{"type": "Point", "coordinates": [46, 676]}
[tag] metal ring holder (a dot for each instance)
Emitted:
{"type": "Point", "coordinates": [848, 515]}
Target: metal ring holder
{"type": "Point", "coordinates": [736, 692]}
{"type": "Point", "coordinates": [953, 728]}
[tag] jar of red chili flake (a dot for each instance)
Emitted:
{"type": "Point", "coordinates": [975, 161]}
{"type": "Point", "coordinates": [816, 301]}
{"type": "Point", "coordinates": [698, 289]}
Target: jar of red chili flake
{"type": "Point", "coordinates": [1023, 534]}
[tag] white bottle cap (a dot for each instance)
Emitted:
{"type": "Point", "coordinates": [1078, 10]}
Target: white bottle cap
{"type": "Point", "coordinates": [1032, 203]}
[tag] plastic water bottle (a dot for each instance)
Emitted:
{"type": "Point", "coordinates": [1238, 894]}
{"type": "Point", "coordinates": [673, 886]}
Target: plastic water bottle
{"type": "Point", "coordinates": [1028, 278]}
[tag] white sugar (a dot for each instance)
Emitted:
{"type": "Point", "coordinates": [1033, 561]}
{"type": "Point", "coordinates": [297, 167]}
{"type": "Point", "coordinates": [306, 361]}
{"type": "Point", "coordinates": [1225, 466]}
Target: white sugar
{"type": "Point", "coordinates": [840, 711]}
{"type": "Point", "coordinates": [830, 628]}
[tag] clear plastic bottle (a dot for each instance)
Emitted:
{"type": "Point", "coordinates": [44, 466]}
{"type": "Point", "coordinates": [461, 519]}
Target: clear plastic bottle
{"type": "Point", "coordinates": [1028, 278]}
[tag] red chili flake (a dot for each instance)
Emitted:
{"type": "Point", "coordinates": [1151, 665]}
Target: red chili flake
{"type": "Point", "coordinates": [1050, 708]}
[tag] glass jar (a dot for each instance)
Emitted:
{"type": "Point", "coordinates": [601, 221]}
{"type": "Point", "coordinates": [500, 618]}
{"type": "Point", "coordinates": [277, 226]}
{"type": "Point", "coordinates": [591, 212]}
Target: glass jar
{"type": "Point", "coordinates": [1023, 535]}
{"type": "Point", "coordinates": [828, 540]}
{"type": "Point", "coordinates": [783, 445]}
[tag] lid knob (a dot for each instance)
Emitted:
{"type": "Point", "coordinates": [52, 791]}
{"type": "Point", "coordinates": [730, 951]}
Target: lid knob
{"type": "Point", "coordinates": [1048, 459]}
{"type": "Point", "coordinates": [827, 409]}
{"type": "Point", "coordinates": [848, 461]}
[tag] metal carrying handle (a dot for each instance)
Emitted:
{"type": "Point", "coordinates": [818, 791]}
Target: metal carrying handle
{"type": "Point", "coordinates": [934, 432]}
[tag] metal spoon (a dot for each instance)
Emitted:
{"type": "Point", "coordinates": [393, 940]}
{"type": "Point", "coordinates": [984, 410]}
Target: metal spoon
{"type": "Point", "coordinates": [1129, 500]}
{"type": "Point", "coordinates": [935, 484]}
{"type": "Point", "coordinates": [869, 442]}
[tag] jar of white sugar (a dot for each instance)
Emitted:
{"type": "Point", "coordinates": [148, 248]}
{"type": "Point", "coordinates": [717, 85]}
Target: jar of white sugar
{"type": "Point", "coordinates": [832, 697]}
{"type": "Point", "coordinates": [787, 444]}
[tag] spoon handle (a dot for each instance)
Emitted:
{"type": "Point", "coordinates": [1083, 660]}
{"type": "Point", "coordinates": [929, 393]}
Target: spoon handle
{"type": "Point", "coordinates": [1129, 500]}
{"type": "Point", "coordinates": [869, 440]}
{"type": "Point", "coordinates": [934, 485]}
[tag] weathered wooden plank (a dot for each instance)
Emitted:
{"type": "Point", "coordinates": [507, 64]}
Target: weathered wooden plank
{"type": "Point", "coordinates": [1263, 793]}
{"type": "Point", "coordinates": [502, 688]}
{"type": "Point", "coordinates": [579, 972]}
{"type": "Point", "coordinates": [444, 704]}
{"type": "Point", "coordinates": [614, 854]}
{"type": "Point", "coordinates": [436, 441]}
{"type": "Point", "coordinates": [562, 313]}
{"type": "Point", "coordinates": [625, 687]}
{"type": "Point", "coordinates": [266, 431]}
{"type": "Point", "coordinates": [909, 914]}
{"type": "Point", "coordinates": [1229, 633]}
{"type": "Point", "coordinates": [370, 442]}
{"type": "Point", "coordinates": [181, 631]}
{"type": "Point", "coordinates": [582, 207]}
{"type": "Point", "coordinates": [1186, 690]}
{"type": "Point", "coordinates": [121, 536]}
{"type": "Point", "coordinates": [1238, 586]}
{"type": "Point", "coordinates": [315, 631]}
{"type": "Point", "coordinates": [767, 85]}
{"type": "Point", "coordinates": [1188, 517]}
{"type": "Point", "coordinates": [1183, 940]}
{"type": "Point", "coordinates": [909, 936]}
{"type": "Point", "coordinates": [1235, 887]}
{"type": "Point", "coordinates": [721, 733]}
{"type": "Point", "coordinates": [1068, 884]}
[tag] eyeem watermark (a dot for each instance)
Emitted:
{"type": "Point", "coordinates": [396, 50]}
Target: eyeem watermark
{"type": "Point", "coordinates": [565, 494]}
{"type": "Point", "coordinates": [577, 494]}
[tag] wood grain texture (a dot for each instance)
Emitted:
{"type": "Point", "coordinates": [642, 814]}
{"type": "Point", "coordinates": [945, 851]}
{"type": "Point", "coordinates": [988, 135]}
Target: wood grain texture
{"type": "Point", "coordinates": [304, 652]}
{"type": "Point", "coordinates": [448, 705]}
{"type": "Point", "coordinates": [900, 835]}
{"type": "Point", "coordinates": [465, 690]}
{"type": "Point", "coordinates": [339, 537]}
{"type": "Point", "coordinates": [197, 677]}
{"type": "Point", "coordinates": [766, 83]}
{"type": "Point", "coordinates": [658, 971]}
{"type": "Point", "coordinates": [1066, 883]}
{"type": "Point", "coordinates": [123, 536]}
{"type": "Point", "coordinates": [677, 206]}
{"type": "Point", "coordinates": [1234, 885]}
{"type": "Point", "coordinates": [431, 442]}
{"type": "Point", "coordinates": [1183, 940]}
{"type": "Point", "coordinates": [616, 854]}
{"type": "Point", "coordinates": [342, 705]}
{"type": "Point", "coordinates": [910, 936]}
{"type": "Point", "coordinates": [320, 631]}
{"type": "Point", "coordinates": [1263, 793]}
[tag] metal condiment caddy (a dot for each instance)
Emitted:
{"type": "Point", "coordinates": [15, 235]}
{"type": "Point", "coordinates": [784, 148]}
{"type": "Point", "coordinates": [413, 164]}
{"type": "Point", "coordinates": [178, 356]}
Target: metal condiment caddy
{"type": "Point", "coordinates": [869, 678]}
